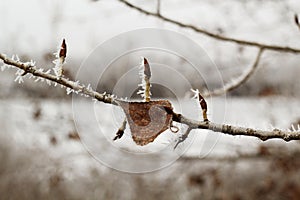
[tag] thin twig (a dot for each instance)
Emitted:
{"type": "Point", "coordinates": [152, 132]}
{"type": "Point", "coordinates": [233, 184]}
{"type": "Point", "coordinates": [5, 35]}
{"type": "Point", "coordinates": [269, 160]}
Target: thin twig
{"type": "Point", "coordinates": [238, 81]}
{"type": "Point", "coordinates": [214, 35]}
{"type": "Point", "coordinates": [183, 137]}
{"type": "Point", "coordinates": [38, 72]}
{"type": "Point", "coordinates": [192, 124]}
{"type": "Point", "coordinates": [121, 130]}
{"type": "Point", "coordinates": [297, 21]}
{"type": "Point", "coordinates": [158, 8]}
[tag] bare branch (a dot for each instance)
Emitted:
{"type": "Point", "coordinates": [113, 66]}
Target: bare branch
{"type": "Point", "coordinates": [192, 124]}
{"type": "Point", "coordinates": [239, 81]}
{"type": "Point", "coordinates": [214, 35]}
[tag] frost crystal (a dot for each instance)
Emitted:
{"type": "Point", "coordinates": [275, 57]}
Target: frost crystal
{"type": "Point", "coordinates": [60, 59]}
{"type": "Point", "coordinates": [48, 82]}
{"type": "Point", "coordinates": [39, 79]}
{"type": "Point", "coordinates": [294, 129]}
{"type": "Point", "coordinates": [48, 71]}
{"type": "Point", "coordinates": [3, 67]}
{"type": "Point", "coordinates": [143, 77]}
{"type": "Point", "coordinates": [69, 91]}
{"type": "Point", "coordinates": [58, 67]}
{"type": "Point", "coordinates": [196, 93]}
{"type": "Point", "coordinates": [89, 87]}
{"type": "Point", "coordinates": [76, 83]}
{"type": "Point", "coordinates": [19, 77]}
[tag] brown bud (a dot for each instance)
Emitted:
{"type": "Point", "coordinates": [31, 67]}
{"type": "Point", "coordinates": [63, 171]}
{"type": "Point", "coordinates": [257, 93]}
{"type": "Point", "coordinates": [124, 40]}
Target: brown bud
{"type": "Point", "coordinates": [147, 70]}
{"type": "Point", "coordinates": [63, 49]}
{"type": "Point", "coordinates": [296, 19]}
{"type": "Point", "coordinates": [203, 107]}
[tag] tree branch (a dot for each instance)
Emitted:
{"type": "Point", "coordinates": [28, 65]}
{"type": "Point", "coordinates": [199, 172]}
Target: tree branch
{"type": "Point", "coordinates": [213, 35]}
{"type": "Point", "coordinates": [158, 7]}
{"type": "Point", "coordinates": [297, 21]}
{"type": "Point", "coordinates": [73, 86]}
{"type": "Point", "coordinates": [78, 88]}
{"type": "Point", "coordinates": [238, 81]}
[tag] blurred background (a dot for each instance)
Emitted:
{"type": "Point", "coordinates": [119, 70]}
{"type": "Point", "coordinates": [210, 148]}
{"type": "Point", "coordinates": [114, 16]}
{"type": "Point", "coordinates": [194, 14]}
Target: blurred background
{"type": "Point", "coordinates": [41, 154]}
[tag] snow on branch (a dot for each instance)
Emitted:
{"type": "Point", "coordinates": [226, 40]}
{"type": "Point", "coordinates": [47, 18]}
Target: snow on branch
{"type": "Point", "coordinates": [32, 71]}
{"type": "Point", "coordinates": [211, 34]}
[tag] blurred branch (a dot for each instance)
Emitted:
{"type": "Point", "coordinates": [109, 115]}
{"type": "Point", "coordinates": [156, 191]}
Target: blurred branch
{"type": "Point", "coordinates": [78, 88]}
{"type": "Point", "coordinates": [297, 21]}
{"type": "Point", "coordinates": [211, 34]}
{"type": "Point", "coordinates": [238, 81]}
{"type": "Point", "coordinates": [158, 8]}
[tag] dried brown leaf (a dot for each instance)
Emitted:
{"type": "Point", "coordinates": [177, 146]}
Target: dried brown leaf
{"type": "Point", "coordinates": [147, 119]}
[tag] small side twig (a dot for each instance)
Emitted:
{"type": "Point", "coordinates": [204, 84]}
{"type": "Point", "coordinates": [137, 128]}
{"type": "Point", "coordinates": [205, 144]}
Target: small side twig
{"type": "Point", "coordinates": [121, 130]}
{"type": "Point", "coordinates": [202, 103]}
{"type": "Point", "coordinates": [61, 57]}
{"type": "Point", "coordinates": [297, 21]}
{"type": "Point", "coordinates": [145, 74]}
{"type": "Point", "coordinates": [183, 137]}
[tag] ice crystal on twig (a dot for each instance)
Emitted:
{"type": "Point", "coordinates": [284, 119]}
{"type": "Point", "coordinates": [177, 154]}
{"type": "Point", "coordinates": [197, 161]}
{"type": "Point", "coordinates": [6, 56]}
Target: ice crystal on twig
{"type": "Point", "coordinates": [69, 91]}
{"type": "Point", "coordinates": [19, 77]}
{"type": "Point", "coordinates": [88, 87]}
{"type": "Point", "coordinates": [39, 79]}
{"type": "Point", "coordinates": [3, 67]}
{"type": "Point", "coordinates": [60, 59]}
{"type": "Point", "coordinates": [202, 103]}
{"type": "Point", "coordinates": [294, 129]}
{"type": "Point", "coordinates": [145, 74]}
{"type": "Point", "coordinates": [196, 93]}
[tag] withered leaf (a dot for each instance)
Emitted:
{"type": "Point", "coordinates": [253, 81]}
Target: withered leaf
{"type": "Point", "coordinates": [147, 119]}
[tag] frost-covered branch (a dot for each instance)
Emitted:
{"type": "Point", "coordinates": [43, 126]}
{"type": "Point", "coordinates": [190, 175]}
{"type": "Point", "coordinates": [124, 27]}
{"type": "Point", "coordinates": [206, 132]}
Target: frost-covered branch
{"type": "Point", "coordinates": [30, 69]}
{"type": "Point", "coordinates": [236, 130]}
{"type": "Point", "coordinates": [39, 75]}
{"type": "Point", "coordinates": [235, 83]}
{"type": "Point", "coordinates": [213, 35]}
